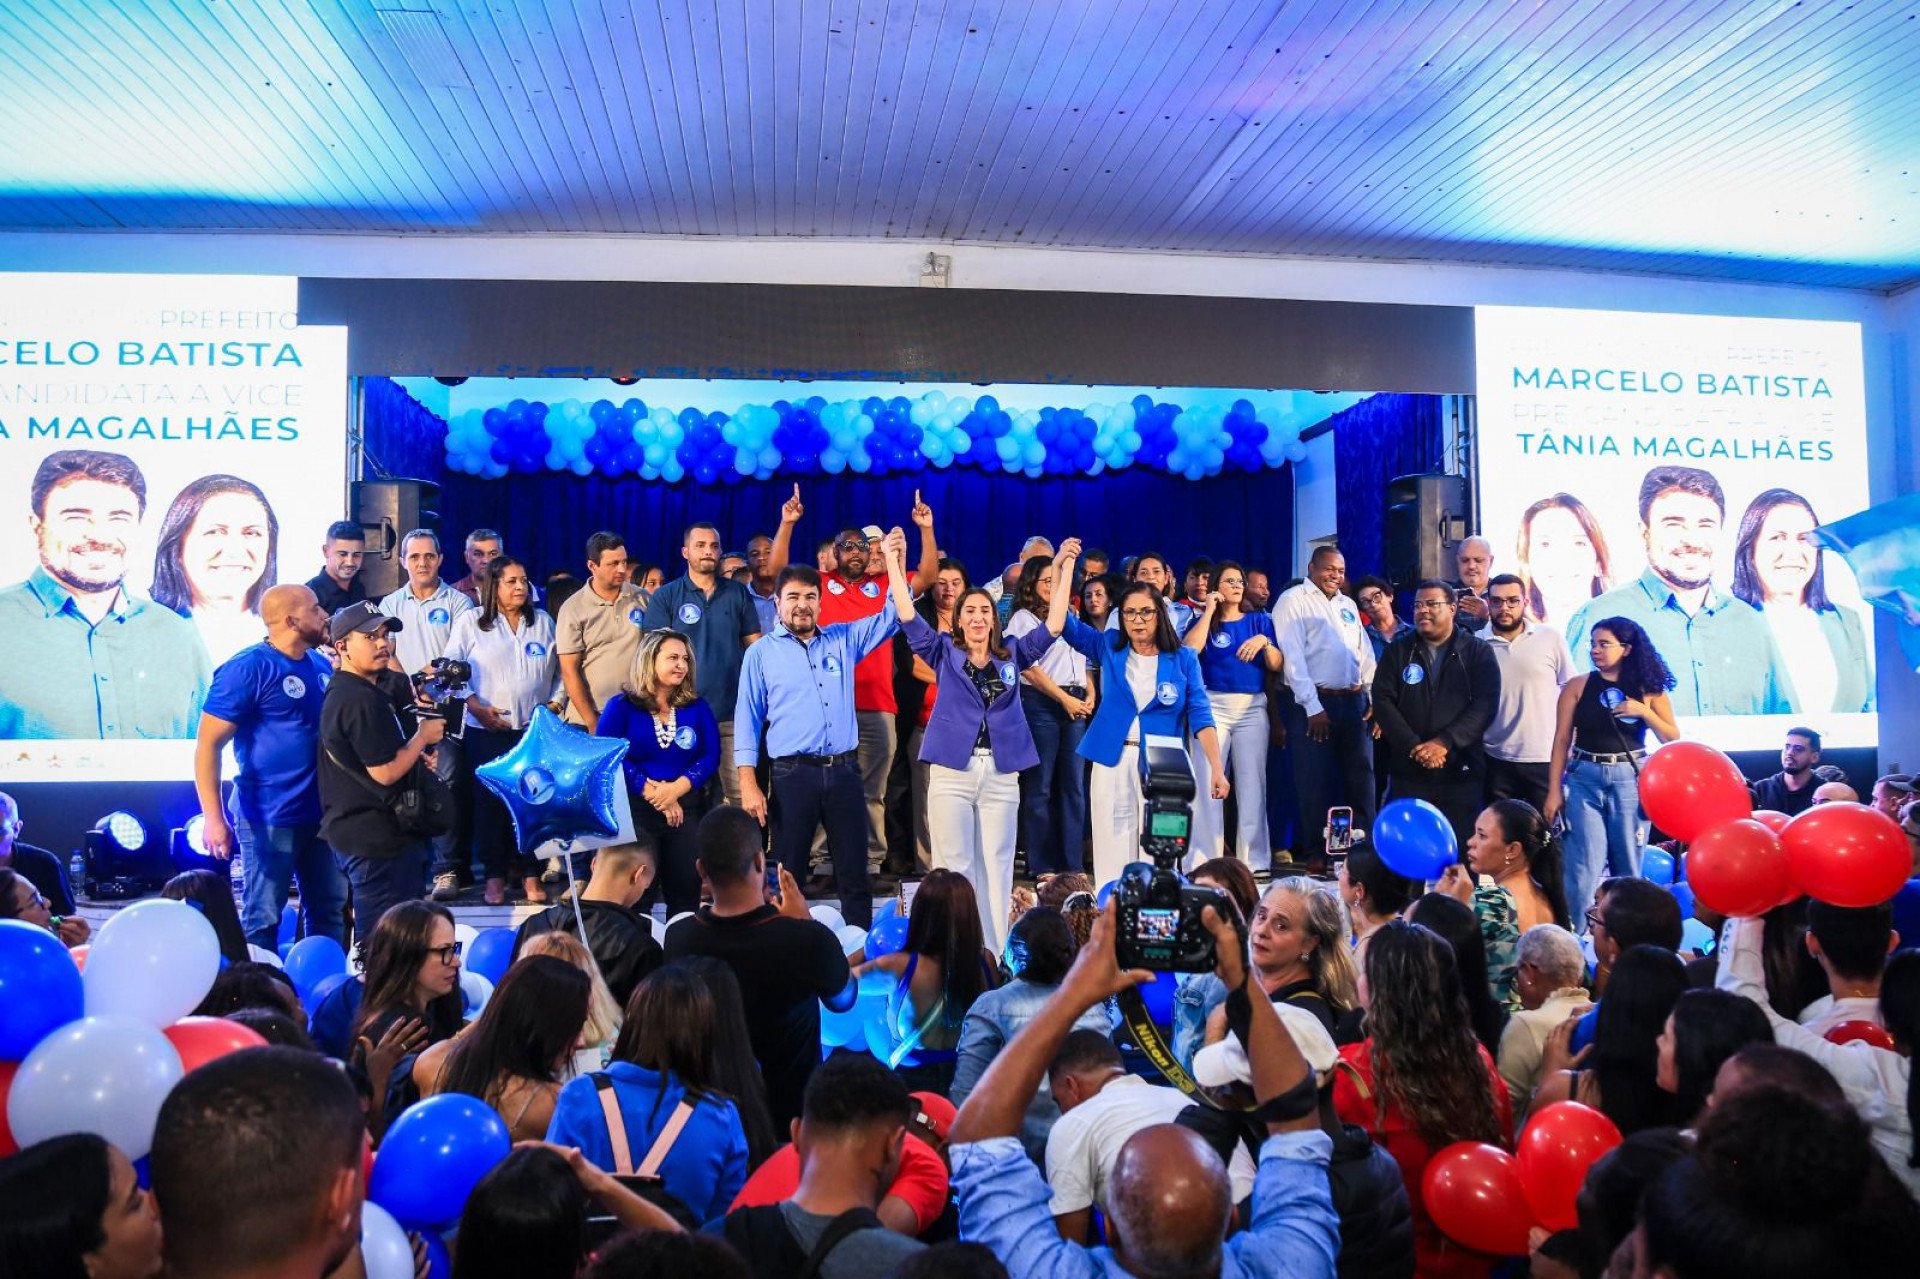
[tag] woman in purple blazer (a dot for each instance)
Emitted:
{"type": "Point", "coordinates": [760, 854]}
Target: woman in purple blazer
{"type": "Point", "coordinates": [977, 740]}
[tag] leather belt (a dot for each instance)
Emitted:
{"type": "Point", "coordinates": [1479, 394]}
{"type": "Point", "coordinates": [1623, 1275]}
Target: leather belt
{"type": "Point", "coordinates": [1609, 757]}
{"type": "Point", "coordinates": [1338, 692]}
{"type": "Point", "coordinates": [818, 761]}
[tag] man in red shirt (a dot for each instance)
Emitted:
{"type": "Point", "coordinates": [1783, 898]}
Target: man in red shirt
{"type": "Point", "coordinates": [847, 594]}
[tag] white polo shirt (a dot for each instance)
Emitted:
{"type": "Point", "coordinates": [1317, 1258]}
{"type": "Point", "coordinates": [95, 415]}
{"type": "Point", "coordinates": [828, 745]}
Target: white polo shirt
{"type": "Point", "coordinates": [515, 672]}
{"type": "Point", "coordinates": [1323, 643]}
{"type": "Point", "coordinates": [1084, 1144]}
{"type": "Point", "coordinates": [1062, 663]}
{"type": "Point", "coordinates": [1533, 666]}
{"type": "Point", "coordinates": [426, 624]}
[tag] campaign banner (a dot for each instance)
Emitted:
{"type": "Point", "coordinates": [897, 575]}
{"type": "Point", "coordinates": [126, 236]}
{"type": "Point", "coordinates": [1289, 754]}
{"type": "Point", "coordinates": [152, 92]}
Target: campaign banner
{"type": "Point", "coordinates": [1669, 470]}
{"type": "Point", "coordinates": [170, 448]}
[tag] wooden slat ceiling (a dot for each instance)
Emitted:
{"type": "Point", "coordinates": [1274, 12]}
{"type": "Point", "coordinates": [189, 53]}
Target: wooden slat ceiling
{"type": "Point", "coordinates": [1768, 141]}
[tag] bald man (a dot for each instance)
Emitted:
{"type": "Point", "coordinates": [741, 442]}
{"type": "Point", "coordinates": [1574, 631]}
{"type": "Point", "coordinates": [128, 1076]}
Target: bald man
{"type": "Point", "coordinates": [1475, 562]}
{"type": "Point", "coordinates": [1169, 1195]}
{"type": "Point", "coordinates": [1835, 793]}
{"type": "Point", "coordinates": [266, 701]}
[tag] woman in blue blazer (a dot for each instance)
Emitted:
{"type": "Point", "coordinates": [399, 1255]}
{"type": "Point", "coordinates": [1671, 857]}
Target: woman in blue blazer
{"type": "Point", "coordinates": [1148, 684]}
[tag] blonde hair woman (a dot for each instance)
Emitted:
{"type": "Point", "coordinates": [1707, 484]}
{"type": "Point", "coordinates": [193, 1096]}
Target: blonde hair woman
{"type": "Point", "coordinates": [673, 751]}
{"type": "Point", "coordinates": [603, 1010]}
{"type": "Point", "coordinates": [1298, 942]}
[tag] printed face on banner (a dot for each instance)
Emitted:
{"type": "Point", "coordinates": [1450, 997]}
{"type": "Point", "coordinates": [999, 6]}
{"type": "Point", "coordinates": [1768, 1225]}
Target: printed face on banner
{"type": "Point", "coordinates": [1668, 469]}
{"type": "Point", "coordinates": [170, 449]}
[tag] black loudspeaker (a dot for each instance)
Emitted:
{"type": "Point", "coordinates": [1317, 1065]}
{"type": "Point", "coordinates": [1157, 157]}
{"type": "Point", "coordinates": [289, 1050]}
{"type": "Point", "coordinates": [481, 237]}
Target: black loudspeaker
{"type": "Point", "coordinates": [1426, 522]}
{"type": "Point", "coordinates": [389, 510]}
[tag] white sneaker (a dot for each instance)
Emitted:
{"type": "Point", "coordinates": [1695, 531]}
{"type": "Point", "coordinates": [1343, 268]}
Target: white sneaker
{"type": "Point", "coordinates": [556, 872]}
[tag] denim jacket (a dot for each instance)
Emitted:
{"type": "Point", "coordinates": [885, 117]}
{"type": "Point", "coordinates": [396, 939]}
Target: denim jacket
{"type": "Point", "coordinates": [995, 1018]}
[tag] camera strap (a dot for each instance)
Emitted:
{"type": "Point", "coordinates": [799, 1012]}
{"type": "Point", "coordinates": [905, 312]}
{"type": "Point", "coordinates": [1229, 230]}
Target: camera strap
{"type": "Point", "coordinates": [1133, 1010]}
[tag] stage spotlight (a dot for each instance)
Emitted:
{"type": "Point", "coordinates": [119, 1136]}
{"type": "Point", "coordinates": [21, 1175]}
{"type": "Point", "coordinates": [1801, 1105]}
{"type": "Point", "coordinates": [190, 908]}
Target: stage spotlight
{"type": "Point", "coordinates": [188, 846]}
{"type": "Point", "coordinates": [623, 381]}
{"type": "Point", "coordinates": [121, 861]}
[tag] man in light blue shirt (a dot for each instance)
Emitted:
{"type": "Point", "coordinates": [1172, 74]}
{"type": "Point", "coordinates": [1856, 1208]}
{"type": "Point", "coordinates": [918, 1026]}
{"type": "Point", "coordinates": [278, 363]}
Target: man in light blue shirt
{"type": "Point", "coordinates": [1719, 648]}
{"type": "Point", "coordinates": [796, 684]}
{"type": "Point", "coordinates": [1168, 1195]}
{"type": "Point", "coordinates": [426, 608]}
{"type": "Point", "coordinates": [81, 655]}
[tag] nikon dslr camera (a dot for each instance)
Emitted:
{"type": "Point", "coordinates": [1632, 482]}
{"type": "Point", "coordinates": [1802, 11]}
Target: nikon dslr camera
{"type": "Point", "coordinates": [1159, 916]}
{"type": "Point", "coordinates": [444, 684]}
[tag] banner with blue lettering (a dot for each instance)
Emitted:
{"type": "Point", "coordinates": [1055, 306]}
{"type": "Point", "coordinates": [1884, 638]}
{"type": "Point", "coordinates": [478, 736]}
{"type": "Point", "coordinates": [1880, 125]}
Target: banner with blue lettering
{"type": "Point", "coordinates": [170, 448]}
{"type": "Point", "coordinates": [1669, 470]}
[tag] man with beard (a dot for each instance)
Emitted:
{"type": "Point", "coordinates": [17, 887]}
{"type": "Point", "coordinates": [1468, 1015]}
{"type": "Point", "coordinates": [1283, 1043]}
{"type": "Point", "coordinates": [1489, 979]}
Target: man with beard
{"type": "Point", "coordinates": [850, 593]}
{"type": "Point", "coordinates": [266, 700]}
{"type": "Point", "coordinates": [1434, 694]}
{"type": "Point", "coordinates": [1791, 790]}
{"type": "Point", "coordinates": [1719, 647]}
{"type": "Point", "coordinates": [1259, 596]}
{"type": "Point", "coordinates": [718, 618]}
{"type": "Point", "coordinates": [82, 655]}
{"type": "Point", "coordinates": [800, 688]}
{"type": "Point", "coordinates": [1534, 664]}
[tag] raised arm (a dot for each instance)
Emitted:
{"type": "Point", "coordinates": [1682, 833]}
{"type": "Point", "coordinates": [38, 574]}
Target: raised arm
{"type": "Point", "coordinates": [790, 512]}
{"type": "Point", "coordinates": [1061, 604]}
{"type": "Point", "coordinates": [929, 569]}
{"type": "Point", "coordinates": [1196, 636]}
{"type": "Point", "coordinates": [897, 578]}
{"type": "Point", "coordinates": [1562, 744]}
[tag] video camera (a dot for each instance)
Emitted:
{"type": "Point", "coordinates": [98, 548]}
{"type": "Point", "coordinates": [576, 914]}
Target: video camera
{"type": "Point", "coordinates": [443, 683]}
{"type": "Point", "coordinates": [1159, 916]}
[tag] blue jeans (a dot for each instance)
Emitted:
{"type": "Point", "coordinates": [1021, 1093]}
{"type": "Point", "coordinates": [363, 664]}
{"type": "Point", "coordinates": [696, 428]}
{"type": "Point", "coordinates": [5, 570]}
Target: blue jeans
{"type": "Point", "coordinates": [272, 858]}
{"type": "Point", "coordinates": [806, 797]}
{"type": "Point", "coordinates": [383, 882]}
{"type": "Point", "coordinates": [1603, 830]}
{"type": "Point", "coordinates": [1053, 794]}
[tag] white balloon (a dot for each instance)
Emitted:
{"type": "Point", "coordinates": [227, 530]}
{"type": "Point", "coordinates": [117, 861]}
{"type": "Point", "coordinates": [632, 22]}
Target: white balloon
{"type": "Point", "coordinates": [828, 915]}
{"type": "Point", "coordinates": [155, 960]}
{"type": "Point", "coordinates": [685, 914]}
{"type": "Point", "coordinates": [104, 1075]}
{"type": "Point", "coordinates": [385, 1249]}
{"type": "Point", "coordinates": [465, 934]}
{"type": "Point", "coordinates": [852, 938]}
{"type": "Point", "coordinates": [475, 990]}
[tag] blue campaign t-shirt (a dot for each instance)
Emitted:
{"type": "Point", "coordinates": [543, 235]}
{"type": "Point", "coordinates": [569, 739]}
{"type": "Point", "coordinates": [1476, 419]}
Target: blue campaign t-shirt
{"type": "Point", "coordinates": [1225, 673]}
{"type": "Point", "coordinates": [275, 702]}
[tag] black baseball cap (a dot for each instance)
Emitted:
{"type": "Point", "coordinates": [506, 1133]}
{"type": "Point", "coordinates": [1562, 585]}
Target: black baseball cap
{"type": "Point", "coordinates": [361, 616]}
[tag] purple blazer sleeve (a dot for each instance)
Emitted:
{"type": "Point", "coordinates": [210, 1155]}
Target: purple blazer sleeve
{"type": "Point", "coordinates": [924, 640]}
{"type": "Point", "coordinates": [1032, 646]}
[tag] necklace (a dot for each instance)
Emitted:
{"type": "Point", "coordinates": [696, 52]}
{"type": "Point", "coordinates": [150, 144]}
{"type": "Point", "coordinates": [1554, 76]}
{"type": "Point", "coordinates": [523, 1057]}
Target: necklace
{"type": "Point", "coordinates": [663, 728]}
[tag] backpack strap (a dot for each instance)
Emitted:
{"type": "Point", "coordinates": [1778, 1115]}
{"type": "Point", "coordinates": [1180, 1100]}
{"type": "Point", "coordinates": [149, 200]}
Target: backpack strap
{"type": "Point", "coordinates": [848, 1222]}
{"type": "Point", "coordinates": [663, 1144]}
{"type": "Point", "coordinates": [616, 1125]}
{"type": "Point", "coordinates": [1360, 1086]}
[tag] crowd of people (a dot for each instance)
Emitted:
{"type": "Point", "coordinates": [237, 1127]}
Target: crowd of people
{"type": "Point", "coordinates": [675, 1096]}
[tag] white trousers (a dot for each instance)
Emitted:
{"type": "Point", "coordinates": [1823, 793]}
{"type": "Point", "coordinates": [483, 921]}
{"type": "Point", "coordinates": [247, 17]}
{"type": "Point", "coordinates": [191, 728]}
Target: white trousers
{"type": "Point", "coordinates": [1116, 807]}
{"type": "Point", "coordinates": [973, 819]}
{"type": "Point", "coordinates": [1240, 721]}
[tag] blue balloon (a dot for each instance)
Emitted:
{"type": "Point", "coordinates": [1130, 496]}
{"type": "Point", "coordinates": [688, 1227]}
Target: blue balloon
{"type": "Point", "coordinates": [312, 958]}
{"type": "Point", "coordinates": [886, 936]}
{"type": "Point", "coordinates": [439, 1264]}
{"type": "Point", "coordinates": [491, 953]}
{"type": "Point", "coordinates": [891, 906]}
{"type": "Point", "coordinates": [1105, 894]}
{"type": "Point", "coordinates": [1656, 866]}
{"type": "Point", "coordinates": [1683, 893]}
{"type": "Point", "coordinates": [323, 988]}
{"type": "Point", "coordinates": [40, 987]}
{"type": "Point", "coordinates": [557, 782]}
{"type": "Point", "coordinates": [289, 923]}
{"type": "Point", "coordinates": [1695, 935]}
{"type": "Point", "coordinates": [838, 1029]}
{"type": "Point", "coordinates": [432, 1157]}
{"type": "Point", "coordinates": [1415, 839]}
{"type": "Point", "coordinates": [1158, 997]}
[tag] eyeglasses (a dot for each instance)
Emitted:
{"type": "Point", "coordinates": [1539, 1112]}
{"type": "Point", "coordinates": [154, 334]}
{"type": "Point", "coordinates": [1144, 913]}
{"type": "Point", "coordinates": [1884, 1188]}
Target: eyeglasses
{"type": "Point", "coordinates": [1594, 921]}
{"type": "Point", "coordinates": [449, 953]}
{"type": "Point", "coordinates": [852, 544]}
{"type": "Point", "coordinates": [1431, 606]}
{"type": "Point", "coordinates": [1137, 614]}
{"type": "Point", "coordinates": [1505, 601]}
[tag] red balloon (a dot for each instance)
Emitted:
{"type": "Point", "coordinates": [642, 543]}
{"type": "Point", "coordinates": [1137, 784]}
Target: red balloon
{"type": "Point", "coordinates": [1689, 787]}
{"type": "Point", "coordinates": [1863, 1032]}
{"type": "Point", "coordinates": [200, 1040]}
{"type": "Point", "coordinates": [1473, 1193]}
{"type": "Point", "coordinates": [1738, 868]}
{"type": "Point", "coordinates": [1560, 1143]}
{"type": "Point", "coordinates": [7, 1144]}
{"type": "Point", "coordinates": [1847, 854]}
{"type": "Point", "coordinates": [1772, 818]}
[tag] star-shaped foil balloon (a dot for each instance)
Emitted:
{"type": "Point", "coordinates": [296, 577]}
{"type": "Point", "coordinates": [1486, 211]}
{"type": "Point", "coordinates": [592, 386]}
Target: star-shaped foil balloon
{"type": "Point", "coordinates": [558, 782]}
{"type": "Point", "coordinates": [1882, 545]}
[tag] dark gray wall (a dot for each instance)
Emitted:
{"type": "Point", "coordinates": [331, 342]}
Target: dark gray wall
{"type": "Point", "coordinates": [560, 328]}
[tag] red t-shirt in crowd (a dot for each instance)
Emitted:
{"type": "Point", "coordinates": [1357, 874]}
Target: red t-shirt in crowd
{"type": "Point", "coordinates": [849, 601]}
{"type": "Point", "coordinates": [1435, 1255]}
{"type": "Point", "coordinates": [921, 1185]}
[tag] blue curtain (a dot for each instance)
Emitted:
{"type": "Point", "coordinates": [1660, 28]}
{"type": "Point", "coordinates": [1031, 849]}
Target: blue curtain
{"type": "Point", "coordinates": [982, 519]}
{"type": "Point", "coordinates": [1377, 439]}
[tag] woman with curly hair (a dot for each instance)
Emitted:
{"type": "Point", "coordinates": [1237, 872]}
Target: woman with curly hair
{"type": "Point", "coordinates": [1598, 744]}
{"type": "Point", "coordinates": [1420, 1081]}
{"type": "Point", "coordinates": [1513, 878]}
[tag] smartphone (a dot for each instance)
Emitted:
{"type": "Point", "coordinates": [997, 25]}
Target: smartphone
{"type": "Point", "coordinates": [773, 883]}
{"type": "Point", "coordinates": [1339, 830]}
